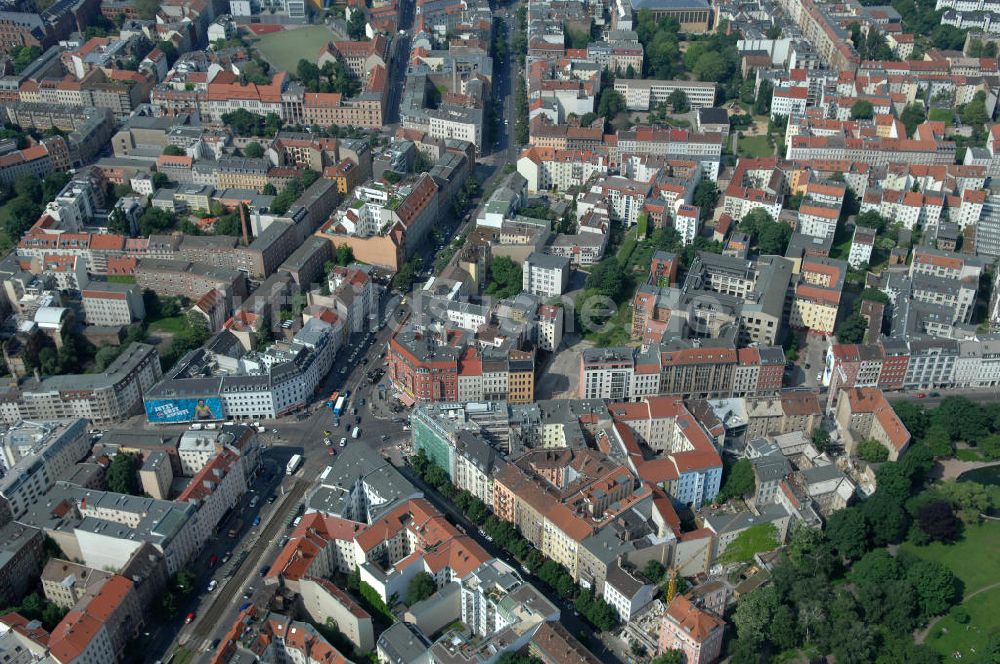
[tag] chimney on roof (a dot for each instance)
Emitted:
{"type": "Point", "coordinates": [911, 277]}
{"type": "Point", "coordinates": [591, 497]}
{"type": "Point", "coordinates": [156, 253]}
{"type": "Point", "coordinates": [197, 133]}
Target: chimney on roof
{"type": "Point", "coordinates": [243, 224]}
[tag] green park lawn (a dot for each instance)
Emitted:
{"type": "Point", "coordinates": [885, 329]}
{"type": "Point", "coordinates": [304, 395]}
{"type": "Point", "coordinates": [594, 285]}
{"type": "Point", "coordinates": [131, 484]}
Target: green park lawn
{"type": "Point", "coordinates": [172, 325]}
{"type": "Point", "coordinates": [949, 636]}
{"type": "Point", "coordinates": [754, 146]}
{"type": "Point", "coordinates": [754, 539]}
{"type": "Point", "coordinates": [284, 49]}
{"type": "Point", "coordinates": [975, 559]}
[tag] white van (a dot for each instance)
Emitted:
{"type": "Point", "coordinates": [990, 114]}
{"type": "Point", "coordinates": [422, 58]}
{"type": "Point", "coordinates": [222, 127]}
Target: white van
{"type": "Point", "coordinates": [356, 433]}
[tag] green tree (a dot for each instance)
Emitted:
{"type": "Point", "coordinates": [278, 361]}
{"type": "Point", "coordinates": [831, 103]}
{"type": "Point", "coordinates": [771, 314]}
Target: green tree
{"type": "Point", "coordinates": [421, 587]}
{"type": "Point", "coordinates": [754, 613]}
{"type": "Point", "coordinates": [710, 67]}
{"type": "Point", "coordinates": [937, 588]}
{"type": "Point", "coordinates": [937, 520]}
{"type": "Point", "coordinates": [820, 438]}
{"type": "Point", "coordinates": [654, 570]}
{"type": "Point", "coordinates": [912, 116]}
{"type": "Point", "coordinates": [706, 194]}
{"type": "Point", "coordinates": [669, 657]}
{"type": "Point", "coordinates": [155, 220]}
{"type": "Point", "coordinates": [774, 238]}
{"type": "Point", "coordinates": [974, 113]}
{"type": "Point", "coordinates": [253, 150]}
{"type": "Point", "coordinates": [160, 180]}
{"type": "Point", "coordinates": [122, 474]}
{"type": "Point", "coordinates": [848, 533]}
{"type": "Point", "coordinates": [344, 255]}
{"type": "Point", "coordinates": [269, 190]}
{"type": "Point", "coordinates": [117, 223]}
{"type": "Point", "coordinates": [29, 187]}
{"type": "Point", "coordinates": [356, 25]}
{"type": "Point", "coordinates": [862, 110]}
{"type": "Point", "coordinates": [173, 151]}
{"type": "Point", "coordinates": [505, 278]}
{"type": "Point", "coordinates": [872, 451]}
{"type": "Point", "coordinates": [678, 101]}
{"type": "Point", "coordinates": [608, 278]}
{"type": "Point", "coordinates": [147, 8]}
{"type": "Point", "coordinates": [852, 329]}
{"type": "Point", "coordinates": [739, 482]}
{"type": "Point", "coordinates": [970, 498]}
{"type": "Point", "coordinates": [947, 37]}
{"type": "Point", "coordinates": [887, 520]}
{"type": "Point", "coordinates": [762, 103]}
{"type": "Point", "coordinates": [914, 417]}
{"type": "Point", "coordinates": [184, 581]}
{"type": "Point", "coordinates": [610, 104]}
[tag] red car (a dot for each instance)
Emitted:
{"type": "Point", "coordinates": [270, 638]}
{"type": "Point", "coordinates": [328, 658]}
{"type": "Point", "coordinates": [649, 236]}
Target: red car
{"type": "Point", "coordinates": [189, 618]}
{"type": "Point", "coordinates": [331, 451]}
{"type": "Point", "coordinates": [212, 559]}
{"type": "Point", "coordinates": [922, 395]}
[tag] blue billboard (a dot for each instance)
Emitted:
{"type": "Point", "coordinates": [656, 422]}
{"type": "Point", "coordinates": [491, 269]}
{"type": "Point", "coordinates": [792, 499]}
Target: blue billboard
{"type": "Point", "coordinates": [163, 411]}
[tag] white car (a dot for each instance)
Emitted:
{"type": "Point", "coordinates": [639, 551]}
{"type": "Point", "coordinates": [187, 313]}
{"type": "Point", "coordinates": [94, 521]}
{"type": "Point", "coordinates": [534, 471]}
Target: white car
{"type": "Point", "coordinates": [819, 377]}
{"type": "Point", "coordinates": [212, 585]}
{"type": "Point", "coordinates": [343, 441]}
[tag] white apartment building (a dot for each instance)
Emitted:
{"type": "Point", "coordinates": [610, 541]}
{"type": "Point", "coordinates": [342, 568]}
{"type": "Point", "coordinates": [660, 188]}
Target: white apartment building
{"type": "Point", "coordinates": [608, 373]}
{"type": "Point", "coordinates": [545, 275]}
{"type": "Point", "coordinates": [789, 101]}
{"type": "Point", "coordinates": [488, 595]}
{"type": "Point", "coordinates": [546, 169]}
{"type": "Point", "coordinates": [641, 94]}
{"type": "Point", "coordinates": [112, 304]}
{"type": "Point", "coordinates": [36, 454]}
{"type": "Point", "coordinates": [861, 246]}
{"type": "Point", "coordinates": [551, 321]}
{"type": "Point", "coordinates": [687, 219]}
{"type": "Point", "coordinates": [453, 122]}
{"type": "Point", "coordinates": [817, 220]}
{"type": "Point", "coordinates": [626, 594]}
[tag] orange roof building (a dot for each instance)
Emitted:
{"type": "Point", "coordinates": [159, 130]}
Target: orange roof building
{"type": "Point", "coordinates": [866, 415]}
{"type": "Point", "coordinates": [695, 632]}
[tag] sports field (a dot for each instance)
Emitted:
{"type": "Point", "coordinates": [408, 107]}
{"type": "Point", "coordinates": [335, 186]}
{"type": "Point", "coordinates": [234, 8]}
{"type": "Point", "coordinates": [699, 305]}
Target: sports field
{"type": "Point", "coordinates": [284, 49]}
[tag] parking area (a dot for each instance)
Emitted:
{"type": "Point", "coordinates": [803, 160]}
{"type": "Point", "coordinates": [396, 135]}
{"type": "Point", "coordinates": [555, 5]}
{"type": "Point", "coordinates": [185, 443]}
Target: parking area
{"type": "Point", "coordinates": [560, 379]}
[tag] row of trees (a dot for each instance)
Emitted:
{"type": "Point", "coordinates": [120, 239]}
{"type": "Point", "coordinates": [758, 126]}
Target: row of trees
{"type": "Point", "coordinates": [956, 420]}
{"type": "Point", "coordinates": [331, 77]}
{"type": "Point", "coordinates": [245, 123]}
{"type": "Point", "coordinates": [549, 572]}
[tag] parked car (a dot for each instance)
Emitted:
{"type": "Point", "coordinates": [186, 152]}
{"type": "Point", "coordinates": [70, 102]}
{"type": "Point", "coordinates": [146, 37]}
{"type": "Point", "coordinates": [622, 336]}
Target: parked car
{"type": "Point", "coordinates": [212, 559]}
{"type": "Point", "coordinates": [212, 585]}
{"type": "Point", "coordinates": [244, 606]}
{"type": "Point", "coordinates": [256, 521]}
{"type": "Point", "coordinates": [189, 618]}
{"type": "Point", "coordinates": [264, 570]}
